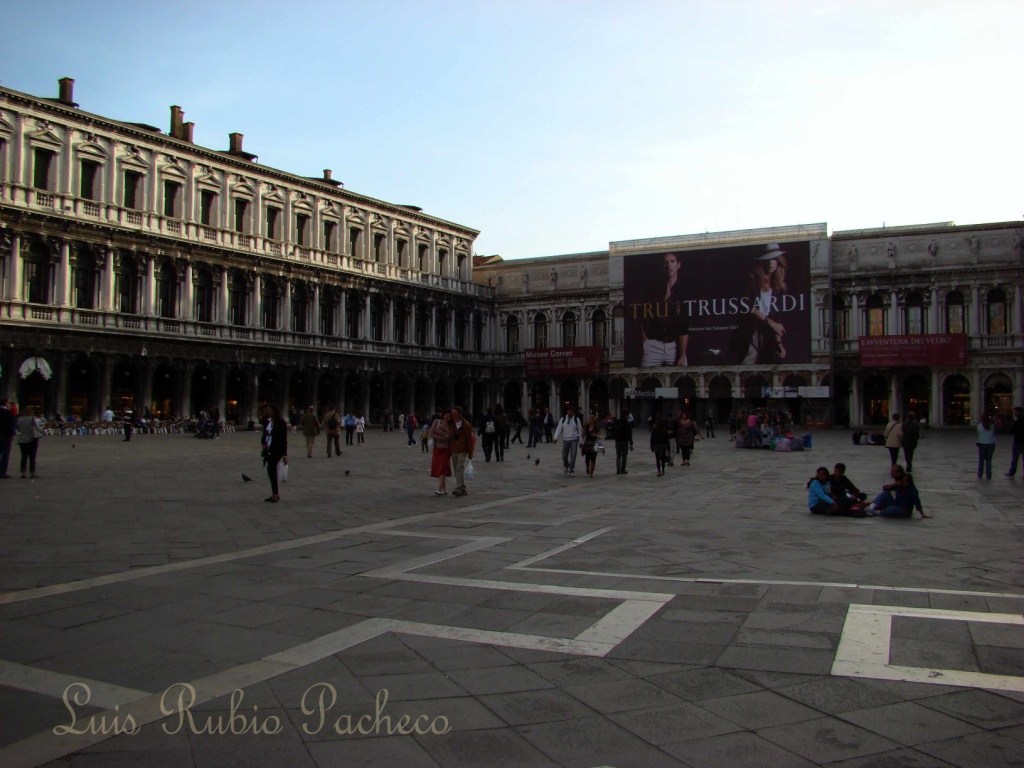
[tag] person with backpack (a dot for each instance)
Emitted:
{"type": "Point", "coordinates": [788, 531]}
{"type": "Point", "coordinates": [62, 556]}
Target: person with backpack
{"type": "Point", "coordinates": [911, 434]}
{"type": "Point", "coordinates": [332, 423]}
{"type": "Point", "coordinates": [569, 431]}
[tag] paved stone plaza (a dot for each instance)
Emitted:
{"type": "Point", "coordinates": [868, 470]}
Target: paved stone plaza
{"type": "Point", "coordinates": [699, 619]}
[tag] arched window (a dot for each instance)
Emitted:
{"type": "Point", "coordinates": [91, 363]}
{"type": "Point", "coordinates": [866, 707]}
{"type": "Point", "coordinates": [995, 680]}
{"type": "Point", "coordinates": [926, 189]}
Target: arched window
{"type": "Point", "coordinates": [875, 316]}
{"type": "Point", "coordinates": [460, 329]}
{"type": "Point", "coordinates": [569, 329]}
{"type": "Point", "coordinates": [600, 328]}
{"type": "Point", "coordinates": [914, 314]}
{"type": "Point", "coordinates": [83, 278]}
{"type": "Point", "coordinates": [512, 334]}
{"type": "Point", "coordinates": [840, 319]}
{"type": "Point", "coordinates": [478, 331]}
{"type": "Point", "coordinates": [401, 321]}
{"type": "Point", "coordinates": [167, 291]}
{"type": "Point", "coordinates": [422, 324]}
{"type": "Point", "coordinates": [956, 318]}
{"type": "Point", "coordinates": [300, 307]}
{"type": "Point", "coordinates": [128, 286]}
{"type": "Point", "coordinates": [270, 298]}
{"type": "Point", "coordinates": [441, 330]}
{"type": "Point", "coordinates": [353, 311]}
{"type": "Point", "coordinates": [996, 312]}
{"type": "Point", "coordinates": [618, 326]}
{"type": "Point", "coordinates": [540, 331]}
{"type": "Point", "coordinates": [237, 295]}
{"type": "Point", "coordinates": [377, 318]}
{"type": "Point", "coordinates": [203, 296]}
{"type": "Point", "coordinates": [38, 279]}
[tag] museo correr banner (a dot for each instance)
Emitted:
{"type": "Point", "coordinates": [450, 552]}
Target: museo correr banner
{"type": "Point", "coordinates": [740, 305]}
{"type": "Point", "coordinates": [563, 361]}
{"type": "Point", "coordinates": [925, 350]}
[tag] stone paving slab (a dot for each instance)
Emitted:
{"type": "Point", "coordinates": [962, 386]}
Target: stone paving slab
{"type": "Point", "coordinates": [696, 619]}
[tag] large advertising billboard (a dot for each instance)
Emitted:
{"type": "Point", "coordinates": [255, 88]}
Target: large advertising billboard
{"type": "Point", "coordinates": [740, 305]}
{"type": "Point", "coordinates": [562, 361]}
{"type": "Point", "coordinates": [926, 351]}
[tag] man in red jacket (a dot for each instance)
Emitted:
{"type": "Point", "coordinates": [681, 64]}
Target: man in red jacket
{"type": "Point", "coordinates": [463, 443]}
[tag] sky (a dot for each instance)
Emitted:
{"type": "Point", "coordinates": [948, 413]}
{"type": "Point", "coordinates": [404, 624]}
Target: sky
{"type": "Point", "coordinates": [560, 126]}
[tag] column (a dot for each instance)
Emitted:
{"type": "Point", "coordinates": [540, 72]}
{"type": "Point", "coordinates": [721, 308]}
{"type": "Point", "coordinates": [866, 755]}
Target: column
{"type": "Point", "coordinates": [894, 309]}
{"type": "Point", "coordinates": [364, 321]}
{"type": "Point", "coordinates": [65, 281]}
{"type": "Point", "coordinates": [817, 342]}
{"type": "Point", "coordinates": [431, 335]}
{"type": "Point", "coordinates": [254, 302]}
{"type": "Point", "coordinates": [451, 329]}
{"type": "Point", "coordinates": [933, 313]}
{"type": "Point", "coordinates": [1017, 325]}
{"type": "Point", "coordinates": [934, 401]}
{"type": "Point", "coordinates": [856, 409]}
{"type": "Point", "coordinates": [553, 402]}
{"type": "Point", "coordinates": [524, 403]}
{"type": "Point", "coordinates": [225, 279]}
{"type": "Point", "coordinates": [149, 288]}
{"type": "Point", "coordinates": [975, 329]}
{"type": "Point", "coordinates": [186, 392]}
{"type": "Point", "coordinates": [584, 403]}
{"type": "Point", "coordinates": [285, 375]}
{"type": "Point", "coordinates": [389, 330]}
{"type": "Point", "coordinates": [106, 370]}
{"type": "Point", "coordinates": [221, 401]}
{"type": "Point", "coordinates": [894, 395]}
{"type": "Point", "coordinates": [854, 317]}
{"type": "Point", "coordinates": [63, 365]}
{"type": "Point", "coordinates": [148, 369]}
{"type": "Point", "coordinates": [108, 281]}
{"type": "Point", "coordinates": [14, 286]}
{"type": "Point", "coordinates": [313, 311]}
{"type": "Point", "coordinates": [977, 397]}
{"type": "Point", "coordinates": [342, 327]}
{"type": "Point", "coordinates": [187, 300]}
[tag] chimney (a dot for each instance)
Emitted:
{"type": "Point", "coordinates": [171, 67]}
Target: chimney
{"type": "Point", "coordinates": [235, 143]}
{"type": "Point", "coordinates": [186, 132]}
{"type": "Point", "coordinates": [177, 118]}
{"type": "Point", "coordinates": [67, 91]}
{"type": "Point", "coordinates": [327, 174]}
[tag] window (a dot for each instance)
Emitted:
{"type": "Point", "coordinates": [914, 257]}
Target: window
{"type": "Point", "coordinates": [540, 331]}
{"type": "Point", "coordinates": [422, 322]}
{"type": "Point", "coordinates": [326, 312]}
{"type": "Point", "coordinates": [569, 329]}
{"type": "Point", "coordinates": [956, 321]}
{"type": "Point", "coordinates": [237, 295]}
{"type": "Point", "coordinates": [460, 330]}
{"type": "Point", "coordinates": [996, 313]}
{"type": "Point", "coordinates": [300, 303]}
{"type": "Point", "coordinates": [273, 220]}
{"type": "Point", "coordinates": [378, 247]}
{"type": "Point", "coordinates": [600, 322]}
{"type": "Point", "coordinates": [128, 287]}
{"type": "Point", "coordinates": [352, 304]}
{"type": "Point", "coordinates": [400, 246]}
{"type": "Point", "coordinates": [478, 332]}
{"type": "Point", "coordinates": [377, 318]}
{"type": "Point", "coordinates": [512, 334]}
{"type": "Point", "coordinates": [132, 186]}
{"type": "Point", "coordinates": [914, 311]}
{"type": "Point", "coordinates": [442, 261]}
{"type": "Point", "coordinates": [618, 326]}
{"type": "Point", "coordinates": [401, 321]}
{"type": "Point", "coordinates": [441, 330]}
{"type": "Point", "coordinates": [875, 311]}
{"type": "Point", "coordinates": [302, 229]}
{"type": "Point", "coordinates": [329, 227]}
{"type": "Point", "coordinates": [270, 297]}
{"type": "Point", "coordinates": [204, 297]}
{"type": "Point", "coordinates": [83, 280]}
{"type": "Point", "coordinates": [207, 200]}
{"type": "Point", "coordinates": [353, 242]}
{"type": "Point", "coordinates": [840, 319]}
{"type": "Point", "coordinates": [37, 275]}
{"type": "Point", "coordinates": [41, 167]}
{"type": "Point", "coordinates": [422, 258]}
{"type": "Point", "coordinates": [460, 267]}
{"type": "Point", "coordinates": [172, 199]}
{"type": "Point", "coordinates": [87, 180]}
{"type": "Point", "coordinates": [241, 215]}
{"type": "Point", "coordinates": [166, 290]}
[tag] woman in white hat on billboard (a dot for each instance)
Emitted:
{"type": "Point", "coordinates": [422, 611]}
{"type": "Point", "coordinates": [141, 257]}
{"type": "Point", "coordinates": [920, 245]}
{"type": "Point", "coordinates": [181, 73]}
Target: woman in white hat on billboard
{"type": "Point", "coordinates": [768, 281]}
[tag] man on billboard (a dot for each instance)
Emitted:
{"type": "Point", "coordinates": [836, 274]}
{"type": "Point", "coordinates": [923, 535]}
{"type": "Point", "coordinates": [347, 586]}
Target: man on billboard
{"type": "Point", "coordinates": [665, 330]}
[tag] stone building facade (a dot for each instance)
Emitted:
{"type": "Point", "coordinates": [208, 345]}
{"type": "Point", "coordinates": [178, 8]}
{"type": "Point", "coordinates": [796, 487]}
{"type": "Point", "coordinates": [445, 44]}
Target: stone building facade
{"type": "Point", "coordinates": [141, 270]}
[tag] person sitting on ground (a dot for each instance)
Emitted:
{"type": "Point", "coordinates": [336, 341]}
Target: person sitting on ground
{"type": "Point", "coordinates": [819, 496]}
{"type": "Point", "coordinates": [848, 497]}
{"type": "Point", "coordinates": [906, 500]}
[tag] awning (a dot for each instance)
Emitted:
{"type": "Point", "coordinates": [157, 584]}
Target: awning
{"type": "Point", "coordinates": [34, 364]}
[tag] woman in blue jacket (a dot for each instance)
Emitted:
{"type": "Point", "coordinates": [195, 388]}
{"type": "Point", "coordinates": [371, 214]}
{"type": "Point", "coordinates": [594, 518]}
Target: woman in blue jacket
{"type": "Point", "coordinates": [819, 494]}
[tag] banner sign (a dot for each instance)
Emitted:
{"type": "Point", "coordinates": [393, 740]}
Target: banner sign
{"type": "Point", "coordinates": [924, 350]}
{"type": "Point", "coordinates": [739, 305]}
{"type": "Point", "coordinates": [563, 361]}
{"type": "Point", "coordinates": [814, 391]}
{"type": "Point", "coordinates": [665, 393]}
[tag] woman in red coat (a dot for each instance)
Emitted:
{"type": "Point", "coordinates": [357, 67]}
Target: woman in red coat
{"type": "Point", "coordinates": [441, 432]}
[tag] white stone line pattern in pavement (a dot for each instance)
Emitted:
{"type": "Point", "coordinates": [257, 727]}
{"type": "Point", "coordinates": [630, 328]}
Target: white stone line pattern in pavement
{"type": "Point", "coordinates": [510, 639]}
{"type": "Point", "coordinates": [47, 746]}
{"type": "Point", "coordinates": [864, 648]}
{"type": "Point", "coordinates": [564, 547]}
{"type": "Point", "coordinates": [141, 573]}
{"type": "Point", "coordinates": [768, 582]}
{"type": "Point", "coordinates": [49, 683]}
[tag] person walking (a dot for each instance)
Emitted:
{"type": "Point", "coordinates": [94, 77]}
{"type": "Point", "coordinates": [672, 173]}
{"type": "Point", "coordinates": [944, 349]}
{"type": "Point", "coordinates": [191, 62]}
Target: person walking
{"type": "Point", "coordinates": [687, 433]}
{"type": "Point", "coordinates": [660, 444]}
{"type": "Point", "coordinates": [30, 430]}
{"type": "Point", "coordinates": [622, 432]}
{"type": "Point", "coordinates": [8, 428]}
{"type": "Point", "coordinates": [548, 423]}
{"type": "Point", "coordinates": [911, 436]}
{"type": "Point", "coordinates": [310, 426]}
{"type": "Point", "coordinates": [709, 425]}
{"type": "Point", "coordinates": [1018, 439]}
{"type": "Point", "coordinates": [126, 424]}
{"type": "Point", "coordinates": [441, 460]}
{"type": "Point", "coordinates": [489, 432]}
{"type": "Point", "coordinates": [275, 449]}
{"type": "Point", "coordinates": [350, 427]}
{"type": "Point", "coordinates": [360, 427]}
{"type": "Point", "coordinates": [410, 429]}
{"type": "Point", "coordinates": [501, 439]}
{"type": "Point", "coordinates": [732, 426]}
{"type": "Point", "coordinates": [894, 438]}
{"type": "Point", "coordinates": [986, 445]}
{"type": "Point", "coordinates": [534, 426]}
{"type": "Point", "coordinates": [462, 445]}
{"type": "Point", "coordinates": [332, 423]}
{"type": "Point", "coordinates": [569, 431]}
{"type": "Point", "coordinates": [517, 422]}
{"type": "Point", "coordinates": [588, 447]}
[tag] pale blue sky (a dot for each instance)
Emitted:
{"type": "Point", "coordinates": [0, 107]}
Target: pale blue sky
{"type": "Point", "coordinates": [556, 127]}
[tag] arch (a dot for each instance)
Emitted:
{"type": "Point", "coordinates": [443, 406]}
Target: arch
{"type": "Point", "coordinates": [754, 386]}
{"type": "Point", "coordinates": [167, 290]}
{"type": "Point", "coordinates": [203, 390]}
{"type": "Point", "coordinates": [599, 328]}
{"type": "Point", "coordinates": [203, 295]}
{"type": "Point", "coordinates": [599, 405]}
{"type": "Point", "coordinates": [124, 385]}
{"type": "Point", "coordinates": [238, 304]}
{"type": "Point", "coordinates": [617, 388]}
{"type": "Point", "coordinates": [956, 401]}
{"type": "Point", "coordinates": [300, 387]}
{"type": "Point", "coordinates": [377, 314]}
{"type": "Point", "coordinates": [38, 274]}
{"type": "Point", "coordinates": [916, 391]}
{"type": "Point", "coordinates": [876, 400]}
{"type": "Point", "coordinates": [378, 399]}
{"type": "Point", "coordinates": [85, 270]}
{"type": "Point", "coordinates": [421, 391]}
{"type": "Point", "coordinates": [268, 391]}
{"type": "Point", "coordinates": [569, 394]}
{"type": "Point", "coordinates": [512, 396]}
{"type": "Point", "coordinates": [540, 394]}
{"type": "Point", "coordinates": [83, 389]}
{"type": "Point", "coordinates": [956, 316]}
{"type": "Point", "coordinates": [165, 403]}
{"type": "Point", "coordinates": [687, 390]}
{"type": "Point", "coordinates": [235, 396]}
{"type": "Point", "coordinates": [719, 387]}
{"type": "Point", "coordinates": [270, 298]}
{"type": "Point", "coordinates": [995, 314]}
{"type": "Point", "coordinates": [512, 339]}
{"type": "Point", "coordinates": [999, 398]}
{"type": "Point", "coordinates": [128, 283]}
{"type": "Point", "coordinates": [570, 328]}
{"type": "Point", "coordinates": [540, 331]}
{"type": "Point", "coordinates": [401, 394]}
{"type": "Point", "coordinates": [442, 395]}
{"type": "Point", "coordinates": [300, 308]}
